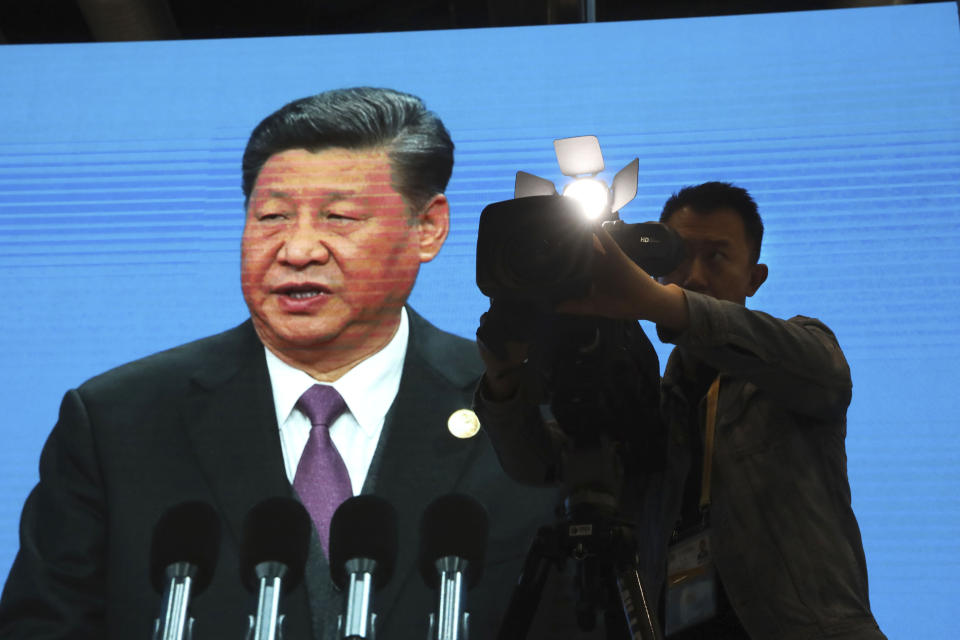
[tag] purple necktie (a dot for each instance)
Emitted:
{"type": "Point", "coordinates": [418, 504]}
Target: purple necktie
{"type": "Point", "coordinates": [322, 481]}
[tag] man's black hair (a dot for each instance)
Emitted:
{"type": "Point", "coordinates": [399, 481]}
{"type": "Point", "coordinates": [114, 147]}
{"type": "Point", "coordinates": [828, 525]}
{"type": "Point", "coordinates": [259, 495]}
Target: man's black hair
{"type": "Point", "coordinates": [710, 196]}
{"type": "Point", "coordinates": [418, 145]}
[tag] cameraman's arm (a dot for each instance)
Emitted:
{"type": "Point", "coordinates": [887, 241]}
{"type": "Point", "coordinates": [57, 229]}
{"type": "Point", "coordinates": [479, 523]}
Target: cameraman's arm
{"type": "Point", "coordinates": [798, 361]}
{"type": "Point", "coordinates": [623, 290]}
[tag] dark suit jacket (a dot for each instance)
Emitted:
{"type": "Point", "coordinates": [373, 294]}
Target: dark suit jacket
{"type": "Point", "coordinates": [197, 423]}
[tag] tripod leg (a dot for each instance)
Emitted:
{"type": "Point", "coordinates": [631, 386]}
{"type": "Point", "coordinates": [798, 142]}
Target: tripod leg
{"type": "Point", "coordinates": [641, 619]}
{"type": "Point", "coordinates": [526, 595]}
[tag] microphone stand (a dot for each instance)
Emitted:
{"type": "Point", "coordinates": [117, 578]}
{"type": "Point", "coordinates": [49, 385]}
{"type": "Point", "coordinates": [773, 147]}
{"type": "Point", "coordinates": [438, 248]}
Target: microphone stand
{"type": "Point", "coordinates": [449, 623]}
{"type": "Point", "coordinates": [268, 623]}
{"type": "Point", "coordinates": [359, 621]}
{"type": "Point", "coordinates": [174, 622]}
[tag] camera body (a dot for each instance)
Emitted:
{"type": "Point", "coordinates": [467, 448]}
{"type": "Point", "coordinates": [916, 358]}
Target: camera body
{"type": "Point", "coordinates": [539, 249]}
{"type": "Point", "coordinates": [600, 377]}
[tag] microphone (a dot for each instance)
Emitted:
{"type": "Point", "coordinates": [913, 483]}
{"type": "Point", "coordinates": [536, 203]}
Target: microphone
{"type": "Point", "coordinates": [363, 552]}
{"type": "Point", "coordinates": [273, 552]}
{"type": "Point", "coordinates": [453, 541]}
{"type": "Point", "coordinates": [183, 555]}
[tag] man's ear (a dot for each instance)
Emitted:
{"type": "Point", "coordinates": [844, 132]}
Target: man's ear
{"type": "Point", "coordinates": [433, 225]}
{"type": "Point", "coordinates": [758, 275]}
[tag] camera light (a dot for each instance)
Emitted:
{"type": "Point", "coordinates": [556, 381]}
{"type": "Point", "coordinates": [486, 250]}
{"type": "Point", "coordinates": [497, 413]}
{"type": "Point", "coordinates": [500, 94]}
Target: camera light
{"type": "Point", "coordinates": [592, 194]}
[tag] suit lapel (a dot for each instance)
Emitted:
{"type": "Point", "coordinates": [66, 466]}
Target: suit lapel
{"type": "Point", "coordinates": [232, 425]}
{"type": "Point", "coordinates": [417, 460]}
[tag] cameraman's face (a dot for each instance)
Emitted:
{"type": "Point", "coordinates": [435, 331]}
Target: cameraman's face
{"type": "Point", "coordinates": [718, 261]}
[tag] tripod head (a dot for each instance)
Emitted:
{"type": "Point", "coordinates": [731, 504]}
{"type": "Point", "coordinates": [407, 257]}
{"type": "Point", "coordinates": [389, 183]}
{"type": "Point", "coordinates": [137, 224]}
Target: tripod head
{"type": "Point", "coordinates": [595, 384]}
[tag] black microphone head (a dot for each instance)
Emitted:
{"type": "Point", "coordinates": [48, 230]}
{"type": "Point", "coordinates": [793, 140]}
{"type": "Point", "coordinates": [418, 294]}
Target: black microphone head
{"type": "Point", "coordinates": [453, 525]}
{"type": "Point", "coordinates": [275, 530]}
{"type": "Point", "coordinates": [188, 532]}
{"type": "Point", "coordinates": [363, 527]}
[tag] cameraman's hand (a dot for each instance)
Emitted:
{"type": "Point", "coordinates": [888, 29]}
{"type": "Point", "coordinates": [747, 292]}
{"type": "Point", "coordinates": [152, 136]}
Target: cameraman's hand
{"type": "Point", "coordinates": [502, 378]}
{"type": "Point", "coordinates": [502, 339]}
{"type": "Point", "coordinates": [622, 290]}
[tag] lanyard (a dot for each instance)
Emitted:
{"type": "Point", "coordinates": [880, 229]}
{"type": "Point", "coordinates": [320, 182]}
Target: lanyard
{"type": "Point", "coordinates": [710, 428]}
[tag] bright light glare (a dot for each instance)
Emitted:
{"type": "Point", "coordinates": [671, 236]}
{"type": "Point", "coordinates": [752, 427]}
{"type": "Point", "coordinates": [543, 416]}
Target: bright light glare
{"type": "Point", "coordinates": [592, 194]}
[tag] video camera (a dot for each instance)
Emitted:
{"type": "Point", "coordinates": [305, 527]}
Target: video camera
{"type": "Point", "coordinates": [539, 249]}
{"type": "Point", "coordinates": [599, 375]}
{"type": "Point", "coordinates": [600, 383]}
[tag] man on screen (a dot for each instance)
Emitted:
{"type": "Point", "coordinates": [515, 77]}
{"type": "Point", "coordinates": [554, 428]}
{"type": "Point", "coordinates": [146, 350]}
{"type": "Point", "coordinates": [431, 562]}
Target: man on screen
{"type": "Point", "coordinates": [344, 201]}
{"type": "Point", "coordinates": [763, 542]}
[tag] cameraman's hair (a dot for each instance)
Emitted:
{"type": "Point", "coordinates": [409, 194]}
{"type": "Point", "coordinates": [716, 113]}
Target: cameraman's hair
{"type": "Point", "coordinates": [708, 197]}
{"type": "Point", "coordinates": [418, 145]}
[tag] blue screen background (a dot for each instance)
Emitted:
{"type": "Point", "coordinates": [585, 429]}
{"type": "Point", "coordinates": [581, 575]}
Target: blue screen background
{"type": "Point", "coordinates": [121, 211]}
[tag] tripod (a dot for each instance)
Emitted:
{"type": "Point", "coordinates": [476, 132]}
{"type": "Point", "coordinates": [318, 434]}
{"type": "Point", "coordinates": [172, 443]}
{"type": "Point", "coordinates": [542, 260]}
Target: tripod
{"type": "Point", "coordinates": [601, 379]}
{"type": "Point", "coordinates": [592, 533]}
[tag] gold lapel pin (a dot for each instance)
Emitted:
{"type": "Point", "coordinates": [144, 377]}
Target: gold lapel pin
{"type": "Point", "coordinates": [463, 423]}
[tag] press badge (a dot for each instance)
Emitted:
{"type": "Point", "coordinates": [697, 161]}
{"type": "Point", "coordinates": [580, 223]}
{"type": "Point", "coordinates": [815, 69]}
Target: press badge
{"type": "Point", "coordinates": [691, 582]}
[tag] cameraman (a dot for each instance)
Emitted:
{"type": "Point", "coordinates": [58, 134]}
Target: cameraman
{"type": "Point", "coordinates": [776, 547]}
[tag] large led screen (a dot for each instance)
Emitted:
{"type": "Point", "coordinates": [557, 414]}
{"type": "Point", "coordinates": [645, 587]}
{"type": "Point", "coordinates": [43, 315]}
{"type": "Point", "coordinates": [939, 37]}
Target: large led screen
{"type": "Point", "coordinates": [121, 211]}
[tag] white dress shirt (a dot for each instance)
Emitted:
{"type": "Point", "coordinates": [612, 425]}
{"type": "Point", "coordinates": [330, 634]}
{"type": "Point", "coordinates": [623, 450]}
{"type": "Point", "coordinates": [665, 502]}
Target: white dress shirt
{"type": "Point", "coordinates": [368, 390]}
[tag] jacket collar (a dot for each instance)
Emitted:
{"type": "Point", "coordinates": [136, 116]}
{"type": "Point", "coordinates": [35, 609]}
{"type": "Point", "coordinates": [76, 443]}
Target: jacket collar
{"type": "Point", "coordinates": [230, 421]}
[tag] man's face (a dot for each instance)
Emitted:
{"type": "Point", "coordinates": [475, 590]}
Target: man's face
{"type": "Point", "coordinates": [718, 261]}
{"type": "Point", "coordinates": [330, 252]}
